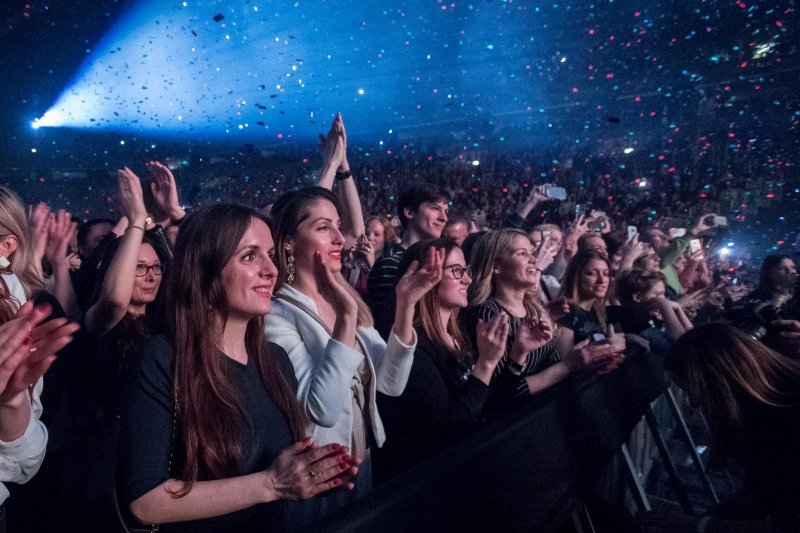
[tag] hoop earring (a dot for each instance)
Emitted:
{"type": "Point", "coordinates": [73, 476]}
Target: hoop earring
{"type": "Point", "coordinates": [290, 270]}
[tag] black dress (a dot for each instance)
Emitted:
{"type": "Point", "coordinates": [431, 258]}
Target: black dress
{"type": "Point", "coordinates": [441, 403]}
{"type": "Point", "coordinates": [147, 428]}
{"type": "Point", "coordinates": [582, 323]}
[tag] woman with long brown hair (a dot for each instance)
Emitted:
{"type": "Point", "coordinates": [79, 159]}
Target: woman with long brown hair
{"type": "Point", "coordinates": [339, 358]}
{"type": "Point", "coordinates": [212, 429]}
{"type": "Point", "coordinates": [751, 396]}
{"type": "Point", "coordinates": [449, 381]}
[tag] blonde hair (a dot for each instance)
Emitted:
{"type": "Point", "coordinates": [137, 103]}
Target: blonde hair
{"type": "Point", "coordinates": [13, 221]}
{"type": "Point", "coordinates": [487, 249]}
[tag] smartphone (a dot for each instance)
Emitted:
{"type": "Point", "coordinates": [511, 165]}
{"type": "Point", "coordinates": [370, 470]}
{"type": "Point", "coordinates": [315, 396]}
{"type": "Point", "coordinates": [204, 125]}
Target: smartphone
{"type": "Point", "coordinates": [679, 232]}
{"type": "Point", "coordinates": [695, 245]}
{"type": "Point", "coordinates": [600, 214]}
{"type": "Point", "coordinates": [578, 210]}
{"type": "Point", "coordinates": [632, 230]}
{"type": "Point", "coordinates": [557, 193]}
{"type": "Point", "coordinates": [720, 221]}
{"type": "Point", "coordinates": [597, 337]}
{"type": "Point", "coordinates": [734, 281]}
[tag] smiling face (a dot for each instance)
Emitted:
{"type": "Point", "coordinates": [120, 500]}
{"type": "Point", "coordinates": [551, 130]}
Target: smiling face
{"type": "Point", "coordinates": [249, 276]}
{"type": "Point", "coordinates": [516, 265]}
{"type": "Point", "coordinates": [593, 280]}
{"type": "Point", "coordinates": [318, 232]}
{"type": "Point", "coordinates": [452, 292]}
{"type": "Point", "coordinates": [429, 219]}
{"type": "Point", "coordinates": [145, 288]}
{"type": "Point", "coordinates": [376, 235]}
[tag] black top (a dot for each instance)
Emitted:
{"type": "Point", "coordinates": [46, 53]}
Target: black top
{"type": "Point", "coordinates": [147, 427]}
{"type": "Point", "coordinates": [771, 458]}
{"type": "Point", "coordinates": [380, 288]}
{"type": "Point", "coordinates": [582, 323]}
{"type": "Point", "coordinates": [441, 403]}
{"type": "Point", "coordinates": [627, 320]}
{"type": "Point", "coordinates": [508, 389]}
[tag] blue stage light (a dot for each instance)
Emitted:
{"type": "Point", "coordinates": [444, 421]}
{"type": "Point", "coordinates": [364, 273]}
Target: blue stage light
{"type": "Point", "coordinates": [207, 68]}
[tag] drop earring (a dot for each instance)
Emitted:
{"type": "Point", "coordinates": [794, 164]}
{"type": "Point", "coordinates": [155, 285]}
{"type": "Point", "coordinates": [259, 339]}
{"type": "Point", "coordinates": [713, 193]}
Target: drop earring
{"type": "Point", "coordinates": [290, 270]}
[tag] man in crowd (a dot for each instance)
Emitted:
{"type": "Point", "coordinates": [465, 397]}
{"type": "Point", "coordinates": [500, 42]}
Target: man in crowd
{"type": "Point", "coordinates": [422, 210]}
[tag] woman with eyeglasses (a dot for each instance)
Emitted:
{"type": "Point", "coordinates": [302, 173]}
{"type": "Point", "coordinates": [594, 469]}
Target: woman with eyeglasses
{"type": "Point", "coordinates": [121, 316]}
{"type": "Point", "coordinates": [449, 380]}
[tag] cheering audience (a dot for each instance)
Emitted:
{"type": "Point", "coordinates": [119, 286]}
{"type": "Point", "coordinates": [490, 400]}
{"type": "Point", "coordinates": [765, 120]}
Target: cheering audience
{"type": "Point", "coordinates": [230, 363]}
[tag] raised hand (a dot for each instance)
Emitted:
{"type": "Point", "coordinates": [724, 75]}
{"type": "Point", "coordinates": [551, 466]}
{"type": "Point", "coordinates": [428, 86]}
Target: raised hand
{"type": "Point", "coordinates": [531, 335]}
{"type": "Point", "coordinates": [165, 190]}
{"type": "Point", "coordinates": [60, 231]}
{"type": "Point", "coordinates": [587, 355]}
{"type": "Point", "coordinates": [302, 470]}
{"type": "Point", "coordinates": [130, 196]}
{"type": "Point", "coordinates": [364, 249]}
{"type": "Point", "coordinates": [38, 224]}
{"type": "Point", "coordinates": [491, 339]}
{"type": "Point", "coordinates": [334, 145]}
{"type": "Point", "coordinates": [544, 253]}
{"type": "Point", "coordinates": [418, 280]}
{"type": "Point", "coordinates": [558, 308]}
{"type": "Point", "coordinates": [28, 347]}
{"type": "Point", "coordinates": [332, 289]}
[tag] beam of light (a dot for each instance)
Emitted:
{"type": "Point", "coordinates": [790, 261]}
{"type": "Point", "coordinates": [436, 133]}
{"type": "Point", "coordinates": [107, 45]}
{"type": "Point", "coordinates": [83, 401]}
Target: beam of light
{"type": "Point", "coordinates": [207, 68]}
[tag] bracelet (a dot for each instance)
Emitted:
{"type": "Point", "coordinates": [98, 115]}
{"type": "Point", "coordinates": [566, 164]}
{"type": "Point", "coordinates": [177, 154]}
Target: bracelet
{"type": "Point", "coordinates": [342, 175]}
{"type": "Point", "coordinates": [134, 227]}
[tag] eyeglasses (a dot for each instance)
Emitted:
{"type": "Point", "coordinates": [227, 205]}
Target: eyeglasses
{"type": "Point", "coordinates": [142, 270]}
{"type": "Point", "coordinates": [459, 271]}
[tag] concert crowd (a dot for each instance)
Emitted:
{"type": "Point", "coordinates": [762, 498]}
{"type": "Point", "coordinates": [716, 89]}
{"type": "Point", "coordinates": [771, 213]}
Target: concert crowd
{"type": "Point", "coordinates": [254, 353]}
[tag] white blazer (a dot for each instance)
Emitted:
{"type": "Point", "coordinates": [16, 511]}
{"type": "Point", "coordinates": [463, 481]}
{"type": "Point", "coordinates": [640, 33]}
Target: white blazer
{"type": "Point", "coordinates": [325, 367]}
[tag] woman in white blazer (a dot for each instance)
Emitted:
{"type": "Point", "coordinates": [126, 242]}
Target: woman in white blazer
{"type": "Point", "coordinates": [339, 359]}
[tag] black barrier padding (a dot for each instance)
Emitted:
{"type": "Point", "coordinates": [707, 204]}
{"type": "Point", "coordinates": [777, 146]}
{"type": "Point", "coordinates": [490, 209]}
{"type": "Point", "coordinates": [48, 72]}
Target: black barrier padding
{"type": "Point", "coordinates": [525, 472]}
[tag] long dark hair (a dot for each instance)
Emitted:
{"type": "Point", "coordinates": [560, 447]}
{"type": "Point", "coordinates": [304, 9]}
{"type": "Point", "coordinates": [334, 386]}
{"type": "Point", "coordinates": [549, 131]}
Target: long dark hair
{"type": "Point", "coordinates": [154, 317]}
{"type": "Point", "coordinates": [766, 288]}
{"type": "Point", "coordinates": [725, 371]}
{"type": "Point", "coordinates": [427, 309]}
{"type": "Point", "coordinates": [210, 408]}
{"type": "Point", "coordinates": [289, 211]}
{"type": "Point", "coordinates": [570, 287]}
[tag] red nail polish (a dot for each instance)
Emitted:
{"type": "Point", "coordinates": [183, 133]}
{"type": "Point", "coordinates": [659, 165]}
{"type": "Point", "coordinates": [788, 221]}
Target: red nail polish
{"type": "Point", "coordinates": [346, 459]}
{"type": "Point", "coordinates": [337, 482]}
{"type": "Point", "coordinates": [27, 341]}
{"type": "Point", "coordinates": [307, 440]}
{"type": "Point", "coordinates": [336, 446]}
{"type": "Point", "coordinates": [344, 466]}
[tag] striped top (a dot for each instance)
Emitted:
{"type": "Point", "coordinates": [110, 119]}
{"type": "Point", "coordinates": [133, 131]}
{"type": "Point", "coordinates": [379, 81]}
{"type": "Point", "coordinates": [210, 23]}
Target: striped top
{"type": "Point", "coordinates": [380, 288]}
{"type": "Point", "coordinates": [537, 360]}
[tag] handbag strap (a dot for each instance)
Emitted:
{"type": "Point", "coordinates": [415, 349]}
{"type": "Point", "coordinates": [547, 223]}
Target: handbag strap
{"type": "Point", "coordinates": [155, 527]}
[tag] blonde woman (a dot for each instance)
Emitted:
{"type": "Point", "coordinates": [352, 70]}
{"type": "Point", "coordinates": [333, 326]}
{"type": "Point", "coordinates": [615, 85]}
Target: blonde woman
{"type": "Point", "coordinates": [505, 280]}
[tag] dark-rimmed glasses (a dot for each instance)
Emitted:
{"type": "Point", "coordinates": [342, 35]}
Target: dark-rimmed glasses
{"type": "Point", "coordinates": [459, 271]}
{"type": "Point", "coordinates": [142, 270]}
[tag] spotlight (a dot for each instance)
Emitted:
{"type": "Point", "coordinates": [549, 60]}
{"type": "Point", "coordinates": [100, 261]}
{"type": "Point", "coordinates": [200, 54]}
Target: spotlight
{"type": "Point", "coordinates": [49, 119]}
